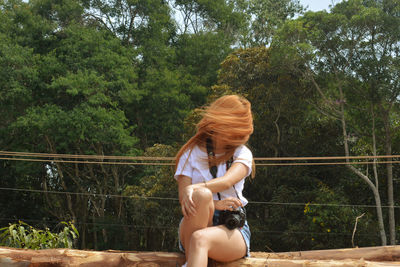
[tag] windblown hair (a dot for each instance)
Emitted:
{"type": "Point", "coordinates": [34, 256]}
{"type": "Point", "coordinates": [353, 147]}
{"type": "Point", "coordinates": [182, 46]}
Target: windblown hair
{"type": "Point", "coordinates": [228, 121]}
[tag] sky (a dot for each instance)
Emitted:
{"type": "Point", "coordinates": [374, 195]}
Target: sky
{"type": "Point", "coordinates": [317, 5]}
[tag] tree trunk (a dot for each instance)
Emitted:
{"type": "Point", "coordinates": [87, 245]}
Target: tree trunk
{"type": "Point", "coordinates": [374, 187]}
{"type": "Point", "coordinates": [95, 242]}
{"type": "Point", "coordinates": [377, 198]}
{"type": "Point", "coordinates": [389, 169]}
{"type": "Point", "coordinates": [62, 181]}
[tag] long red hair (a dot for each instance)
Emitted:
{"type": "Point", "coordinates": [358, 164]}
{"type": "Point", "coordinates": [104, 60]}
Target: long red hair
{"type": "Point", "coordinates": [228, 121]}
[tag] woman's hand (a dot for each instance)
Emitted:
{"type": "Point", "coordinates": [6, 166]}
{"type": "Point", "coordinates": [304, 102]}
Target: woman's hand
{"type": "Point", "coordinates": [187, 204]}
{"type": "Point", "coordinates": [230, 203]}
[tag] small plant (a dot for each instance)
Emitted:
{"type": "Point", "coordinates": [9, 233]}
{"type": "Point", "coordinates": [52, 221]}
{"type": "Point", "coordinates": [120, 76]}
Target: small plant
{"type": "Point", "coordinates": [22, 235]}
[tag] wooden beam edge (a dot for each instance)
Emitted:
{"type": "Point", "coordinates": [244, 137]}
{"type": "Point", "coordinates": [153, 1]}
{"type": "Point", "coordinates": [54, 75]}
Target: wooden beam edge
{"type": "Point", "coordinates": [12, 257]}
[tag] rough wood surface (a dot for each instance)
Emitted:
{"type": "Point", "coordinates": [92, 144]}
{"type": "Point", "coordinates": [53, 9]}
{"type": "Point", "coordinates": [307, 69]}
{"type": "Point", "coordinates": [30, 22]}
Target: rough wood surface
{"type": "Point", "coordinates": [368, 257]}
{"type": "Point", "coordinates": [382, 253]}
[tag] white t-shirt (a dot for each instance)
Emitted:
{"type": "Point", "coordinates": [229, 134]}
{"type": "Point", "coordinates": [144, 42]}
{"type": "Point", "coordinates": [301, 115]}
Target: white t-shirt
{"type": "Point", "coordinates": [194, 164]}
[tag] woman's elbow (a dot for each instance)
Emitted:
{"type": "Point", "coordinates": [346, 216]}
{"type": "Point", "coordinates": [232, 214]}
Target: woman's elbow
{"type": "Point", "coordinates": [228, 183]}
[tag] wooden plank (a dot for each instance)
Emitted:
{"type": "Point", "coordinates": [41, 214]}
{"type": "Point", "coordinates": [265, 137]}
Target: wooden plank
{"type": "Point", "coordinates": [71, 257]}
{"type": "Point", "coordinates": [12, 257]}
{"type": "Point", "coordinates": [382, 253]}
{"type": "Point", "coordinates": [258, 262]}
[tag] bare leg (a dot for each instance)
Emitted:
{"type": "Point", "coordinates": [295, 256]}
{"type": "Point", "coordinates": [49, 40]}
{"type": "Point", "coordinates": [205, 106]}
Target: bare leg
{"type": "Point", "coordinates": [204, 213]}
{"type": "Point", "coordinates": [216, 242]}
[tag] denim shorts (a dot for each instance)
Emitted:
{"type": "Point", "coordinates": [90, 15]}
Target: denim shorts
{"type": "Point", "coordinates": [245, 231]}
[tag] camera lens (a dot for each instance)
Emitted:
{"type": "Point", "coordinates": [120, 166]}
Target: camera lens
{"type": "Point", "coordinates": [232, 221]}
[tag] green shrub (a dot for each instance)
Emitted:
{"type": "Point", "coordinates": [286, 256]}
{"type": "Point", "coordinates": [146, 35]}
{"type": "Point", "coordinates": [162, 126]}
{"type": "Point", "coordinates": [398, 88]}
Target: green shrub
{"type": "Point", "coordinates": [22, 235]}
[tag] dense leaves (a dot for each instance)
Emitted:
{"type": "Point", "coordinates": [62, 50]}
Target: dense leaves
{"type": "Point", "coordinates": [124, 78]}
{"type": "Point", "coordinates": [22, 235]}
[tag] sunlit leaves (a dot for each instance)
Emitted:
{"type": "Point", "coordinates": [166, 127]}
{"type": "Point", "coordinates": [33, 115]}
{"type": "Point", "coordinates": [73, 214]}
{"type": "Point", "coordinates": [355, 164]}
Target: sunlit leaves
{"type": "Point", "coordinates": [22, 235]}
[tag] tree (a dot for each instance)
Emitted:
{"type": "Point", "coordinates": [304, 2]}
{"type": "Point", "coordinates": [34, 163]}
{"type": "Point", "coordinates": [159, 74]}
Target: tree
{"type": "Point", "coordinates": [349, 57]}
{"type": "Point", "coordinates": [285, 126]}
{"type": "Point", "coordinates": [378, 67]}
{"type": "Point", "coordinates": [19, 76]}
{"type": "Point", "coordinates": [69, 103]}
{"type": "Point", "coordinates": [153, 206]}
{"type": "Point", "coordinates": [170, 89]}
{"type": "Point", "coordinates": [264, 18]}
{"type": "Point", "coordinates": [197, 16]}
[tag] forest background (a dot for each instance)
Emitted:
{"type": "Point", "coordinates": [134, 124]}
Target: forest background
{"type": "Point", "coordinates": [123, 78]}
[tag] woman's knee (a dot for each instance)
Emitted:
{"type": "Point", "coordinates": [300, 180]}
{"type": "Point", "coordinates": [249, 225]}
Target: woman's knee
{"type": "Point", "coordinates": [202, 196]}
{"type": "Point", "coordinates": [199, 239]}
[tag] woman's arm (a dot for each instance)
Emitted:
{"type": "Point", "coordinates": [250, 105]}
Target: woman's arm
{"type": "Point", "coordinates": [185, 190]}
{"type": "Point", "coordinates": [235, 173]}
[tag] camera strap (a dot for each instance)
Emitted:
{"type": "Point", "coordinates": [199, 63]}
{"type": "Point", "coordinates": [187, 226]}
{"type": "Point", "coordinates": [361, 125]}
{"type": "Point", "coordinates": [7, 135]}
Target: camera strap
{"type": "Point", "coordinates": [213, 167]}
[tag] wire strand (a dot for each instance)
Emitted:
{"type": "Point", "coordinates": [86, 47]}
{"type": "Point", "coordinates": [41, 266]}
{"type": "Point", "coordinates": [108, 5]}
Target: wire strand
{"type": "Point", "coordinates": [254, 229]}
{"type": "Point", "coordinates": [141, 158]}
{"type": "Point", "coordinates": [47, 155]}
{"type": "Point", "coordinates": [90, 162]}
{"type": "Point", "coordinates": [85, 194]}
{"type": "Point", "coordinates": [176, 199]}
{"type": "Point", "coordinates": [172, 164]}
{"type": "Point", "coordinates": [325, 163]}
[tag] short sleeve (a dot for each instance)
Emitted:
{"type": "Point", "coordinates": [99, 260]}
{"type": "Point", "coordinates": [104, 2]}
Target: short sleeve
{"type": "Point", "coordinates": [184, 166]}
{"type": "Point", "coordinates": [244, 155]}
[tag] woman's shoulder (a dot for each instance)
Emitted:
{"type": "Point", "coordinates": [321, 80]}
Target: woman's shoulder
{"type": "Point", "coordinates": [243, 151]}
{"type": "Point", "coordinates": [243, 148]}
{"type": "Point", "coordinates": [194, 151]}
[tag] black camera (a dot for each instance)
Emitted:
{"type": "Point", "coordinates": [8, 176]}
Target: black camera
{"type": "Point", "coordinates": [233, 218]}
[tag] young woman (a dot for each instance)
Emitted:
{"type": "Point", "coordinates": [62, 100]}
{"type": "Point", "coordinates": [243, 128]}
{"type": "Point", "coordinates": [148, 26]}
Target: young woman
{"type": "Point", "coordinates": [226, 126]}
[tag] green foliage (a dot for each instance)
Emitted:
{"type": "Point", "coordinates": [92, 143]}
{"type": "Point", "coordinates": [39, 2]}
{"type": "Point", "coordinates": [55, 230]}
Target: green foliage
{"type": "Point", "coordinates": [18, 76]}
{"type": "Point", "coordinates": [329, 224]}
{"type": "Point", "coordinates": [22, 235]}
{"type": "Point", "coordinates": [285, 125]}
{"type": "Point", "coordinates": [274, 94]}
{"type": "Point", "coordinates": [350, 58]}
{"type": "Point", "coordinates": [153, 204]}
{"type": "Point", "coordinates": [124, 78]}
{"type": "Point", "coordinates": [200, 55]}
{"type": "Point", "coordinates": [264, 18]}
{"type": "Point", "coordinates": [161, 112]}
{"type": "Point", "coordinates": [70, 99]}
{"type": "Point", "coordinates": [222, 16]}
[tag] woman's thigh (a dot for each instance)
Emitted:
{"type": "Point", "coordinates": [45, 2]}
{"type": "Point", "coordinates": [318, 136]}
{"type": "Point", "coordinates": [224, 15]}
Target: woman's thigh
{"type": "Point", "coordinates": [224, 245]}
